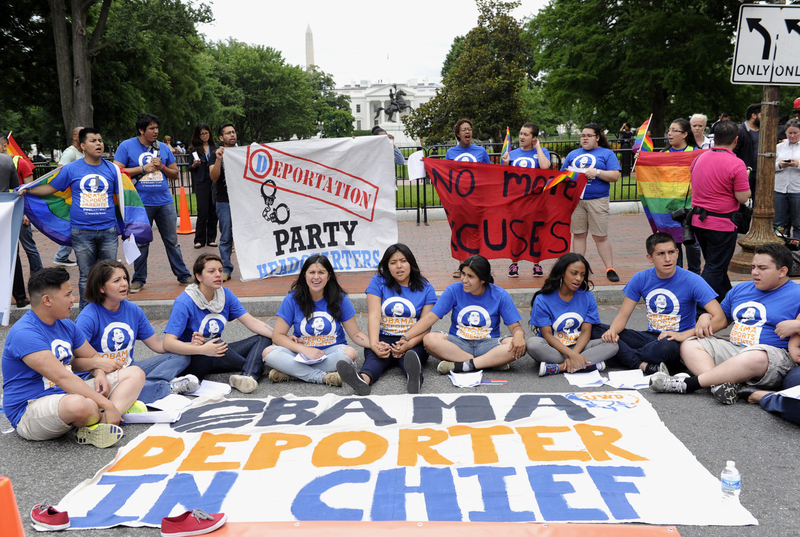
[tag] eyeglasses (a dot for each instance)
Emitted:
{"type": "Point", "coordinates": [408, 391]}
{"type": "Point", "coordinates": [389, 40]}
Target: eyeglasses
{"type": "Point", "coordinates": [675, 130]}
{"type": "Point", "coordinates": [588, 135]}
{"type": "Point", "coordinates": [466, 129]}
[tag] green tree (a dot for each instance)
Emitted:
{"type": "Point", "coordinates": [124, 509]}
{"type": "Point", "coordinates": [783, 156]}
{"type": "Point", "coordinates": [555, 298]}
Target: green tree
{"type": "Point", "coordinates": [453, 54]}
{"type": "Point", "coordinates": [333, 116]}
{"type": "Point", "coordinates": [668, 57]}
{"type": "Point", "coordinates": [485, 83]}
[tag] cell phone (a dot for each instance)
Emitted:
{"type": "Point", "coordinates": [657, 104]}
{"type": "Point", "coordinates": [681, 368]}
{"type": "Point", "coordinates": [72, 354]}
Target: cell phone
{"type": "Point", "coordinates": [194, 154]}
{"type": "Point", "coordinates": [787, 160]}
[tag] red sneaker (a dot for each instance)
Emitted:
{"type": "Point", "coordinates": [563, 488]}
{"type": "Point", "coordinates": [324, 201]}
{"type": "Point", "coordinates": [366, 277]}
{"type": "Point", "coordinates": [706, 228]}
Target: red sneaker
{"type": "Point", "coordinates": [194, 522]}
{"type": "Point", "coordinates": [49, 518]}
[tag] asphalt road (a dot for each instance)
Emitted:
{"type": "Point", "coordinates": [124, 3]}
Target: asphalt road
{"type": "Point", "coordinates": [764, 447]}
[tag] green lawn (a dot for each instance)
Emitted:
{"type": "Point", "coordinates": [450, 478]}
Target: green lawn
{"type": "Point", "coordinates": [407, 196]}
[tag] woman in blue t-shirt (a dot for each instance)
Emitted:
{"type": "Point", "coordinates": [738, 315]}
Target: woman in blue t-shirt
{"type": "Point", "coordinates": [397, 296]}
{"type": "Point", "coordinates": [529, 154]}
{"type": "Point", "coordinates": [112, 325]}
{"type": "Point", "coordinates": [206, 307]}
{"type": "Point", "coordinates": [318, 310]}
{"type": "Point", "coordinates": [476, 306]}
{"type": "Point", "coordinates": [563, 311]}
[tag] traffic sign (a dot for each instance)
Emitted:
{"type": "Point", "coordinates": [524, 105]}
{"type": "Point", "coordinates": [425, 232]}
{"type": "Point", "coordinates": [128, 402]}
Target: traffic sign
{"type": "Point", "coordinates": [767, 46]}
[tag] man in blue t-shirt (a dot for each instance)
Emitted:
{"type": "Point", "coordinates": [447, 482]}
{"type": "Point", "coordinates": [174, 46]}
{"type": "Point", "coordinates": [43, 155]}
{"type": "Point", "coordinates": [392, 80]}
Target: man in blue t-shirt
{"type": "Point", "coordinates": [42, 396]}
{"type": "Point", "coordinates": [93, 221]}
{"type": "Point", "coordinates": [671, 295]}
{"type": "Point", "coordinates": [150, 166]}
{"type": "Point", "coordinates": [758, 353]}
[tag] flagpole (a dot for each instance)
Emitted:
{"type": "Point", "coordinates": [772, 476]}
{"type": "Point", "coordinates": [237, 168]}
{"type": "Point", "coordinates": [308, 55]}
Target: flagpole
{"type": "Point", "coordinates": [636, 156]}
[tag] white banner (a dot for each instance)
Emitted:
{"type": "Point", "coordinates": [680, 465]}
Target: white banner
{"type": "Point", "coordinates": [11, 209]}
{"type": "Point", "coordinates": [597, 457]}
{"type": "Point", "coordinates": [290, 200]}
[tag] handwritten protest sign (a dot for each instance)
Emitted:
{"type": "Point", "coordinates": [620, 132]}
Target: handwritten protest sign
{"type": "Point", "coordinates": [504, 211]}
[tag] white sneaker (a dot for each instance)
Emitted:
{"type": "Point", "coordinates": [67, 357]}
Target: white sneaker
{"type": "Point", "coordinates": [185, 384]}
{"type": "Point", "coordinates": [243, 383]}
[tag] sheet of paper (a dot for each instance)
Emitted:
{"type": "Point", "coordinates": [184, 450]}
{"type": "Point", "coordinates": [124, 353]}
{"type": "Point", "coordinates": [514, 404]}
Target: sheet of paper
{"type": "Point", "coordinates": [303, 359]}
{"type": "Point", "coordinates": [633, 379]}
{"type": "Point", "coordinates": [130, 250]}
{"type": "Point", "coordinates": [210, 388]}
{"type": "Point", "coordinates": [585, 380]}
{"type": "Point", "coordinates": [416, 168]}
{"type": "Point", "coordinates": [794, 392]}
{"type": "Point", "coordinates": [158, 416]}
{"type": "Point", "coordinates": [466, 380]}
{"type": "Point", "coordinates": [172, 402]}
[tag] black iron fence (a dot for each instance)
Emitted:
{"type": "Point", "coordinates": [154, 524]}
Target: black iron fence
{"type": "Point", "coordinates": [419, 195]}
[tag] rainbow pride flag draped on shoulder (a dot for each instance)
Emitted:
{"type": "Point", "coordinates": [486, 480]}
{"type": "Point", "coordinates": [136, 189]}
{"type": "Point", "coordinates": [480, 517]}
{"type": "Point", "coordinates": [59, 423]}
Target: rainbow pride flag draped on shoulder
{"type": "Point", "coordinates": [50, 214]}
{"type": "Point", "coordinates": [663, 180]}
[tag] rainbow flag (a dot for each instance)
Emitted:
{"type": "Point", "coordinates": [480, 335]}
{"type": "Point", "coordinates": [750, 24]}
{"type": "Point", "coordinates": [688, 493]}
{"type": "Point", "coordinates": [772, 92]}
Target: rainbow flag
{"type": "Point", "coordinates": [642, 140]}
{"type": "Point", "coordinates": [50, 214]}
{"type": "Point", "coordinates": [663, 180]}
{"type": "Point", "coordinates": [506, 144]}
{"type": "Point", "coordinates": [553, 181]}
{"type": "Point", "coordinates": [14, 149]}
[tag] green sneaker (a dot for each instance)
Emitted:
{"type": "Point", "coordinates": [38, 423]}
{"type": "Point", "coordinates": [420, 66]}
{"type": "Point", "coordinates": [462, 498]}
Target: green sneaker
{"type": "Point", "coordinates": [137, 408]}
{"type": "Point", "coordinates": [102, 435]}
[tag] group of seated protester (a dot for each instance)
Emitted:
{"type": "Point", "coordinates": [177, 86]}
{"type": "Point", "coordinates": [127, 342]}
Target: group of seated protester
{"type": "Point", "coordinates": [59, 375]}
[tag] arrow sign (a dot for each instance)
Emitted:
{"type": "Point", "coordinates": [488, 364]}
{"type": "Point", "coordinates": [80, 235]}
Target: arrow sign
{"type": "Point", "coordinates": [792, 25]}
{"type": "Point", "coordinates": [755, 24]}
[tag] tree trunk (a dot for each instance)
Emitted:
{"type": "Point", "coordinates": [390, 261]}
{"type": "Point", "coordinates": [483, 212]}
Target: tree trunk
{"type": "Point", "coordinates": [63, 64]}
{"type": "Point", "coordinates": [82, 110]}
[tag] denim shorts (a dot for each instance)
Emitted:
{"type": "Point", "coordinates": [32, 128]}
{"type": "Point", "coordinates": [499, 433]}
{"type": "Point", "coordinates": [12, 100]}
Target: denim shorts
{"type": "Point", "coordinates": [475, 347]}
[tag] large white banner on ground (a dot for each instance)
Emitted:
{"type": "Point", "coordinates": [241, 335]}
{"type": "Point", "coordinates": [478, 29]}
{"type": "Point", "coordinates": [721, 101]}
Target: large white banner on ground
{"type": "Point", "coordinates": [575, 457]}
{"type": "Point", "coordinates": [11, 208]}
{"type": "Point", "coordinates": [290, 200]}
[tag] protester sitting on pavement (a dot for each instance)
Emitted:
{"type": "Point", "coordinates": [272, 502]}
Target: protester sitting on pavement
{"type": "Point", "coordinates": [476, 306]}
{"type": "Point", "coordinates": [93, 221]}
{"type": "Point", "coordinates": [529, 154]}
{"type": "Point", "coordinates": [563, 312]}
{"type": "Point", "coordinates": [671, 295]}
{"type": "Point", "coordinates": [758, 352]}
{"type": "Point", "coordinates": [318, 313]}
{"type": "Point", "coordinates": [786, 407]}
{"type": "Point", "coordinates": [595, 159]}
{"type": "Point", "coordinates": [43, 396]}
{"type": "Point", "coordinates": [113, 324]}
{"type": "Point", "coordinates": [397, 296]}
{"type": "Point", "coordinates": [206, 307]}
{"type": "Point", "coordinates": [466, 151]}
{"type": "Point", "coordinates": [787, 180]}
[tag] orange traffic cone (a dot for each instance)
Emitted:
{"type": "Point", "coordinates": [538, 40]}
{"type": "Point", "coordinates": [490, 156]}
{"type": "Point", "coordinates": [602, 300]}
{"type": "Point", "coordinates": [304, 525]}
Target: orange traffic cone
{"type": "Point", "coordinates": [10, 522]}
{"type": "Point", "coordinates": [186, 221]}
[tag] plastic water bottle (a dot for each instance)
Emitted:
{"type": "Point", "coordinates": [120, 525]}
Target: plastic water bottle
{"type": "Point", "coordinates": [731, 483]}
{"type": "Point", "coordinates": [5, 425]}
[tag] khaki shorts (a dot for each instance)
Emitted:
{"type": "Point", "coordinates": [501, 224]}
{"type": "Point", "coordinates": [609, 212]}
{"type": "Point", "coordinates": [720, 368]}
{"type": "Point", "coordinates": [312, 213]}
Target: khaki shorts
{"type": "Point", "coordinates": [41, 421]}
{"type": "Point", "coordinates": [780, 362]}
{"type": "Point", "coordinates": [592, 216]}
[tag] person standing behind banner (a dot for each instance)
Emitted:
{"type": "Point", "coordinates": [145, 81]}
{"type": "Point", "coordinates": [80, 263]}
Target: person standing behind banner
{"type": "Point", "coordinates": [397, 296]}
{"type": "Point", "coordinates": [70, 154]}
{"type": "Point", "coordinates": [9, 180]}
{"type": "Point", "coordinates": [150, 167]}
{"type": "Point", "coordinates": [787, 180]}
{"type": "Point", "coordinates": [112, 325]}
{"type": "Point", "coordinates": [216, 171]}
{"type": "Point", "coordinates": [529, 154]}
{"type": "Point", "coordinates": [206, 226]}
{"type": "Point", "coordinates": [719, 185]}
{"type": "Point", "coordinates": [698, 125]}
{"type": "Point", "coordinates": [93, 182]}
{"type": "Point", "coordinates": [319, 313]}
{"type": "Point", "coordinates": [681, 138]}
{"type": "Point", "coordinates": [466, 151]}
{"type": "Point", "coordinates": [563, 311]}
{"type": "Point", "coordinates": [476, 306]}
{"type": "Point", "coordinates": [205, 308]}
{"type": "Point", "coordinates": [600, 165]}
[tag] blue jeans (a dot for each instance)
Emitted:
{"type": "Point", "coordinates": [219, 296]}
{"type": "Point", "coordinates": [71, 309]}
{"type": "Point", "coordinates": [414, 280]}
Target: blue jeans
{"type": "Point", "coordinates": [243, 357]}
{"type": "Point", "coordinates": [637, 346]}
{"type": "Point", "coordinates": [374, 366]}
{"type": "Point", "coordinates": [29, 245]}
{"type": "Point", "coordinates": [225, 236]}
{"type": "Point", "coordinates": [63, 253]}
{"type": "Point", "coordinates": [159, 370]}
{"type": "Point", "coordinates": [91, 246]}
{"type": "Point", "coordinates": [787, 211]}
{"type": "Point", "coordinates": [692, 256]}
{"type": "Point", "coordinates": [785, 407]}
{"type": "Point", "coordinates": [166, 219]}
{"type": "Point", "coordinates": [475, 347]}
{"type": "Point", "coordinates": [282, 359]}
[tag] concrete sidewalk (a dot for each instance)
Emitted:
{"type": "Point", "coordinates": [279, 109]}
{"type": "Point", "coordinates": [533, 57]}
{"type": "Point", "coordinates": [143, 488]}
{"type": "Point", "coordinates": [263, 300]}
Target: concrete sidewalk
{"type": "Point", "coordinates": [430, 243]}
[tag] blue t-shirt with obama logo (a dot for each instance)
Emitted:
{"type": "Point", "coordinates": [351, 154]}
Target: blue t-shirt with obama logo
{"type": "Point", "coordinates": [153, 188]}
{"type": "Point", "coordinates": [93, 188]}
{"type": "Point", "coordinates": [599, 158]}
{"type": "Point", "coordinates": [756, 313]}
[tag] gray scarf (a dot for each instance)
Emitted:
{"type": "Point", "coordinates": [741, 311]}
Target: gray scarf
{"type": "Point", "coordinates": [214, 306]}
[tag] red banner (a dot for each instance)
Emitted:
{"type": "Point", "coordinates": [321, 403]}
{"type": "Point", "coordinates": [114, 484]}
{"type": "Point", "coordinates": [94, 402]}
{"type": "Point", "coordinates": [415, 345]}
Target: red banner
{"type": "Point", "coordinates": [504, 212]}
